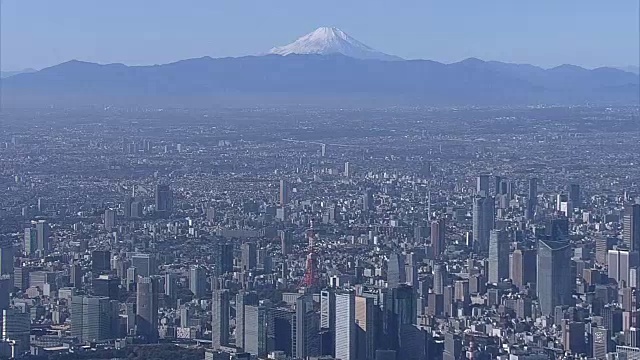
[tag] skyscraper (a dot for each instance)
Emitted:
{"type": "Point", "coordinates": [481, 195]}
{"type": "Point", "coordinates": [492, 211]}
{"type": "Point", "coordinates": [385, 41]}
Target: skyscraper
{"type": "Point", "coordinates": [16, 325]}
{"type": "Point", "coordinates": [523, 267]}
{"type": "Point", "coordinates": [482, 185]}
{"type": "Point", "coordinates": [631, 227]}
{"type": "Point", "coordinates": [574, 196]}
{"type": "Point", "coordinates": [255, 325]}
{"type": "Point", "coordinates": [285, 194]}
{"type": "Point", "coordinates": [197, 281]}
{"type": "Point", "coordinates": [164, 200]}
{"type": "Point", "coordinates": [6, 258]}
{"type": "Point", "coordinates": [44, 233]}
{"type": "Point", "coordinates": [620, 262]}
{"type": "Point", "coordinates": [306, 331]}
{"type": "Point", "coordinates": [483, 222]}
{"type": "Point", "coordinates": [396, 274]}
{"type": "Point", "coordinates": [243, 299]}
{"type": "Point", "coordinates": [327, 309]}
{"type": "Point", "coordinates": [220, 318]}
{"type": "Point", "coordinates": [109, 219]}
{"type": "Point", "coordinates": [249, 256]}
{"type": "Point", "coordinates": [30, 241]}
{"type": "Point", "coordinates": [367, 200]}
{"type": "Point", "coordinates": [94, 318]}
{"type": "Point", "coordinates": [147, 308]}
{"type": "Point", "coordinates": [532, 199]}
{"type": "Point", "coordinates": [224, 258]}
{"type": "Point", "coordinates": [365, 327]}
{"type": "Point", "coordinates": [345, 340]}
{"type": "Point", "coordinates": [145, 264]}
{"type": "Point", "coordinates": [554, 282]}
{"type": "Point", "coordinates": [100, 261]}
{"type": "Point", "coordinates": [498, 256]}
{"type": "Point", "coordinates": [438, 230]}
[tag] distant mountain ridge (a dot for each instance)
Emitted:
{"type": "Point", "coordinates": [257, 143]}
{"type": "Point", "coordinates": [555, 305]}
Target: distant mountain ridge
{"type": "Point", "coordinates": [468, 82]}
{"type": "Point", "coordinates": [5, 74]}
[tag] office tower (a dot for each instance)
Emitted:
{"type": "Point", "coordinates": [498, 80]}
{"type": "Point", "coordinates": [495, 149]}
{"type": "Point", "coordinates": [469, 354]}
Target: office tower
{"type": "Point", "coordinates": [523, 267]}
{"type": "Point", "coordinates": [93, 318]}
{"type": "Point", "coordinates": [452, 347]}
{"type": "Point", "coordinates": [601, 340]}
{"type": "Point", "coordinates": [365, 327]}
{"type": "Point", "coordinates": [145, 264]}
{"type": "Point", "coordinates": [323, 150]}
{"type": "Point", "coordinates": [497, 182]}
{"type": "Point", "coordinates": [483, 222]}
{"type": "Point", "coordinates": [557, 228]}
{"type": "Point", "coordinates": [286, 239]}
{"type": "Point", "coordinates": [6, 258]}
{"type": "Point", "coordinates": [6, 287]}
{"type": "Point", "coordinates": [367, 200]}
{"type": "Point", "coordinates": [620, 262]}
{"type": "Point", "coordinates": [532, 199]}
{"type": "Point", "coordinates": [170, 285]}
{"type": "Point", "coordinates": [197, 281]}
{"type": "Point", "coordinates": [498, 256]}
{"type": "Point", "coordinates": [256, 328]}
{"type": "Point", "coordinates": [127, 207]}
{"type": "Point", "coordinates": [396, 273]}
{"type": "Point", "coordinates": [438, 230]}
{"type": "Point", "coordinates": [249, 256]}
{"type": "Point", "coordinates": [327, 309]}
{"type": "Point", "coordinates": [224, 258]}
{"type": "Point", "coordinates": [482, 185]}
{"type": "Point", "coordinates": [220, 318]}
{"type": "Point", "coordinates": [16, 326]}
{"type": "Point", "coordinates": [603, 245]}
{"type": "Point", "coordinates": [573, 337]}
{"type": "Point", "coordinates": [147, 308]}
{"type": "Point", "coordinates": [30, 241]}
{"type": "Point", "coordinates": [461, 291]}
{"type": "Point", "coordinates": [21, 278]}
{"type": "Point", "coordinates": [439, 274]}
{"type": "Point", "coordinates": [44, 233]}
{"type": "Point", "coordinates": [136, 210]}
{"type": "Point", "coordinates": [76, 275]}
{"type": "Point", "coordinates": [164, 200]}
{"type": "Point", "coordinates": [100, 261]}
{"type": "Point", "coordinates": [106, 286]}
{"type": "Point", "coordinates": [285, 192]}
{"type": "Point", "coordinates": [631, 227]}
{"type": "Point", "coordinates": [345, 340]}
{"type": "Point", "coordinates": [347, 173]}
{"type": "Point", "coordinates": [109, 219]}
{"type": "Point", "coordinates": [399, 311]}
{"type": "Point", "coordinates": [307, 336]}
{"type": "Point", "coordinates": [243, 299]}
{"type": "Point", "coordinates": [132, 277]}
{"type": "Point", "coordinates": [554, 280]}
{"type": "Point", "coordinates": [574, 196]}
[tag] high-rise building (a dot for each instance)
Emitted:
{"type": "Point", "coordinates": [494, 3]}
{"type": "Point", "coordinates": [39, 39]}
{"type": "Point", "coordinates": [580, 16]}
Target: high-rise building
{"type": "Point", "coordinates": [573, 337]}
{"type": "Point", "coordinates": [601, 342]}
{"type": "Point", "coordinates": [6, 258]}
{"type": "Point", "coordinates": [224, 258]}
{"type": "Point", "coordinates": [452, 347]}
{"type": "Point", "coordinates": [285, 192]}
{"type": "Point", "coordinates": [243, 299]}
{"type": "Point", "coordinates": [327, 309]}
{"type": "Point", "coordinates": [197, 281]}
{"type": "Point", "coordinates": [532, 198]}
{"type": "Point", "coordinates": [100, 261]}
{"type": "Point", "coordinates": [399, 310]}
{"type": "Point", "coordinates": [365, 327]}
{"type": "Point", "coordinates": [523, 267]}
{"type": "Point", "coordinates": [631, 227]}
{"type": "Point", "coordinates": [574, 196]}
{"type": "Point", "coordinates": [345, 340]}
{"type": "Point", "coordinates": [367, 200]}
{"type": "Point", "coordinates": [438, 243]}
{"type": "Point", "coordinates": [482, 185]}
{"type": "Point", "coordinates": [127, 207]}
{"type": "Point", "coordinates": [220, 318]}
{"type": "Point", "coordinates": [307, 336]}
{"type": "Point", "coordinates": [620, 262]}
{"type": "Point", "coordinates": [170, 285]}
{"type": "Point", "coordinates": [106, 286]}
{"type": "Point", "coordinates": [109, 219]}
{"type": "Point", "coordinates": [30, 241]}
{"type": "Point", "coordinates": [94, 318]}
{"type": "Point", "coordinates": [256, 329]}
{"type": "Point", "coordinates": [347, 173]}
{"type": "Point", "coordinates": [603, 245]}
{"type": "Point", "coordinates": [498, 256]}
{"type": "Point", "coordinates": [249, 256]}
{"type": "Point", "coordinates": [483, 222]}
{"type": "Point", "coordinates": [282, 330]}
{"type": "Point", "coordinates": [557, 228]}
{"type": "Point", "coordinates": [554, 282]}
{"type": "Point", "coordinates": [145, 264]}
{"type": "Point", "coordinates": [396, 272]}
{"type": "Point", "coordinates": [439, 274]}
{"type": "Point", "coordinates": [147, 308]}
{"type": "Point", "coordinates": [16, 326]}
{"type": "Point", "coordinates": [6, 287]}
{"type": "Point", "coordinates": [164, 200]}
{"type": "Point", "coordinates": [44, 233]}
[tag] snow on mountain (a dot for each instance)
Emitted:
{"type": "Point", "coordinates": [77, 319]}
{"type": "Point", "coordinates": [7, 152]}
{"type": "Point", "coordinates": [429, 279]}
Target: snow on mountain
{"type": "Point", "coordinates": [331, 40]}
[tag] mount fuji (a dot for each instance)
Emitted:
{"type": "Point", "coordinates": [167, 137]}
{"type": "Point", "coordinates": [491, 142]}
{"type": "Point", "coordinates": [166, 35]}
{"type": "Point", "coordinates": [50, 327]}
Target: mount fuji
{"type": "Point", "coordinates": [331, 41]}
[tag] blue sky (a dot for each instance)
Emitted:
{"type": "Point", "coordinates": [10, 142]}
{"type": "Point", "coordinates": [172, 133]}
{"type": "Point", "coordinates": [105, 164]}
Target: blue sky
{"type": "Point", "coordinates": [591, 33]}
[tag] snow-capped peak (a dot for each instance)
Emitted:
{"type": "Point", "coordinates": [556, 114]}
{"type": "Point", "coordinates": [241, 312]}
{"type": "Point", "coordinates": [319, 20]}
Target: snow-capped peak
{"type": "Point", "coordinates": [331, 40]}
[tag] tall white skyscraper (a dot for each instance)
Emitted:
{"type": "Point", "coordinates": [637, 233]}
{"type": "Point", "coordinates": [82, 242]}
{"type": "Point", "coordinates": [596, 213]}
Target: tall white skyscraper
{"type": "Point", "coordinates": [345, 344]}
{"type": "Point", "coordinates": [498, 256]}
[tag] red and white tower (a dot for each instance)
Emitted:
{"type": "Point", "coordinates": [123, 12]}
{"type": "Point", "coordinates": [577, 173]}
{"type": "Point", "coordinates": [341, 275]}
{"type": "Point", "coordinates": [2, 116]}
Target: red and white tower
{"type": "Point", "coordinates": [310, 276]}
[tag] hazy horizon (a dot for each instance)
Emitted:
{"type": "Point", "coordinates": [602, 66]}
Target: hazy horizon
{"type": "Point", "coordinates": [38, 34]}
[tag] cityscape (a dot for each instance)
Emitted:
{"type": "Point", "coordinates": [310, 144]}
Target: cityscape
{"type": "Point", "coordinates": [322, 234]}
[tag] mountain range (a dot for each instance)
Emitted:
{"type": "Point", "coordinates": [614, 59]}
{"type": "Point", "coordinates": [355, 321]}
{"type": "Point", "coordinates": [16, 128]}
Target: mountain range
{"type": "Point", "coordinates": [330, 63]}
